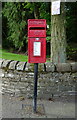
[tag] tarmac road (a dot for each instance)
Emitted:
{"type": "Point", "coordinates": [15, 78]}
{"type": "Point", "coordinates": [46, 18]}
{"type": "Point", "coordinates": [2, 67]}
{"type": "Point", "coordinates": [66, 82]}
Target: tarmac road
{"type": "Point", "coordinates": [58, 107]}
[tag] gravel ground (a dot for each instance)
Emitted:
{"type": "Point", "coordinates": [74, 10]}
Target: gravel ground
{"type": "Point", "coordinates": [19, 107]}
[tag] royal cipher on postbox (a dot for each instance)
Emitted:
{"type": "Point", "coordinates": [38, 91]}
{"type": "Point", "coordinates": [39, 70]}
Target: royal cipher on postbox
{"type": "Point", "coordinates": [36, 40]}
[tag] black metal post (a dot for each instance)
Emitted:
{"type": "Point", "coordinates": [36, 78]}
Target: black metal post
{"type": "Point", "coordinates": [35, 87]}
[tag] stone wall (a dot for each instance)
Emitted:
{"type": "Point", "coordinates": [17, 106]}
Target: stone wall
{"type": "Point", "coordinates": [53, 79]}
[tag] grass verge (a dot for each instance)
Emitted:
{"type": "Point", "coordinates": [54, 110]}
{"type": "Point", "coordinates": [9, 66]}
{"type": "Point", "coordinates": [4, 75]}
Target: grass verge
{"type": "Point", "coordinates": [4, 54]}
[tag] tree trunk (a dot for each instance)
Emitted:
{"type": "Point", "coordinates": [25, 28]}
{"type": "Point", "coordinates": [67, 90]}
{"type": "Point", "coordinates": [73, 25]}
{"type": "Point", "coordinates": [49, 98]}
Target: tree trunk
{"type": "Point", "coordinates": [36, 10]}
{"type": "Point", "coordinates": [58, 37]}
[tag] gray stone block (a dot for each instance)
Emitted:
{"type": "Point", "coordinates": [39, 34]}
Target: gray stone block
{"type": "Point", "coordinates": [9, 75]}
{"type": "Point", "coordinates": [12, 65]}
{"type": "Point", "coordinates": [50, 67]}
{"type": "Point", "coordinates": [20, 66]}
{"type": "Point", "coordinates": [41, 67]}
{"type": "Point", "coordinates": [1, 62]}
{"type": "Point", "coordinates": [6, 63]}
{"type": "Point", "coordinates": [1, 74]}
{"type": "Point", "coordinates": [63, 67]}
{"type": "Point", "coordinates": [29, 67]}
{"type": "Point", "coordinates": [74, 67]}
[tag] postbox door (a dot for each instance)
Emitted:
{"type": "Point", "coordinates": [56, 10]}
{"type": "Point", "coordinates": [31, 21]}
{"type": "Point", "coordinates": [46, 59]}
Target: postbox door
{"type": "Point", "coordinates": [37, 50]}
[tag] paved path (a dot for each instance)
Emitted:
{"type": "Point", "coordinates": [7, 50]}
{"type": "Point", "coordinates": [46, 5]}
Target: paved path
{"type": "Point", "coordinates": [62, 107]}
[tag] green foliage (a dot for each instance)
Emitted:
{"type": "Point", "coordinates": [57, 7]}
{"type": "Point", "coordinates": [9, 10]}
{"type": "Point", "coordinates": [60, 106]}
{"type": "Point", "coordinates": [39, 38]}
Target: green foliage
{"type": "Point", "coordinates": [16, 23]}
{"type": "Point", "coordinates": [15, 15]}
{"type": "Point", "coordinates": [72, 51]}
{"type": "Point", "coordinates": [71, 18]}
{"type": "Point", "coordinates": [46, 14]}
{"type": "Point", "coordinates": [48, 38]}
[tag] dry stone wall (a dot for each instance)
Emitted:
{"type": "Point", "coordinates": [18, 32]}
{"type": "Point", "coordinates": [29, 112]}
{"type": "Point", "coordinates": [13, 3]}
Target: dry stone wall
{"type": "Point", "coordinates": [53, 79]}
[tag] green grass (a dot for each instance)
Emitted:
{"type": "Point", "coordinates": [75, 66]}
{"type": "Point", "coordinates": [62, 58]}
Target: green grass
{"type": "Point", "coordinates": [4, 54]}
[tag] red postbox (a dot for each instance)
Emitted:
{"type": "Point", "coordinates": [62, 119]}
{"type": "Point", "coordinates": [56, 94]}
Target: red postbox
{"type": "Point", "coordinates": [36, 40]}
